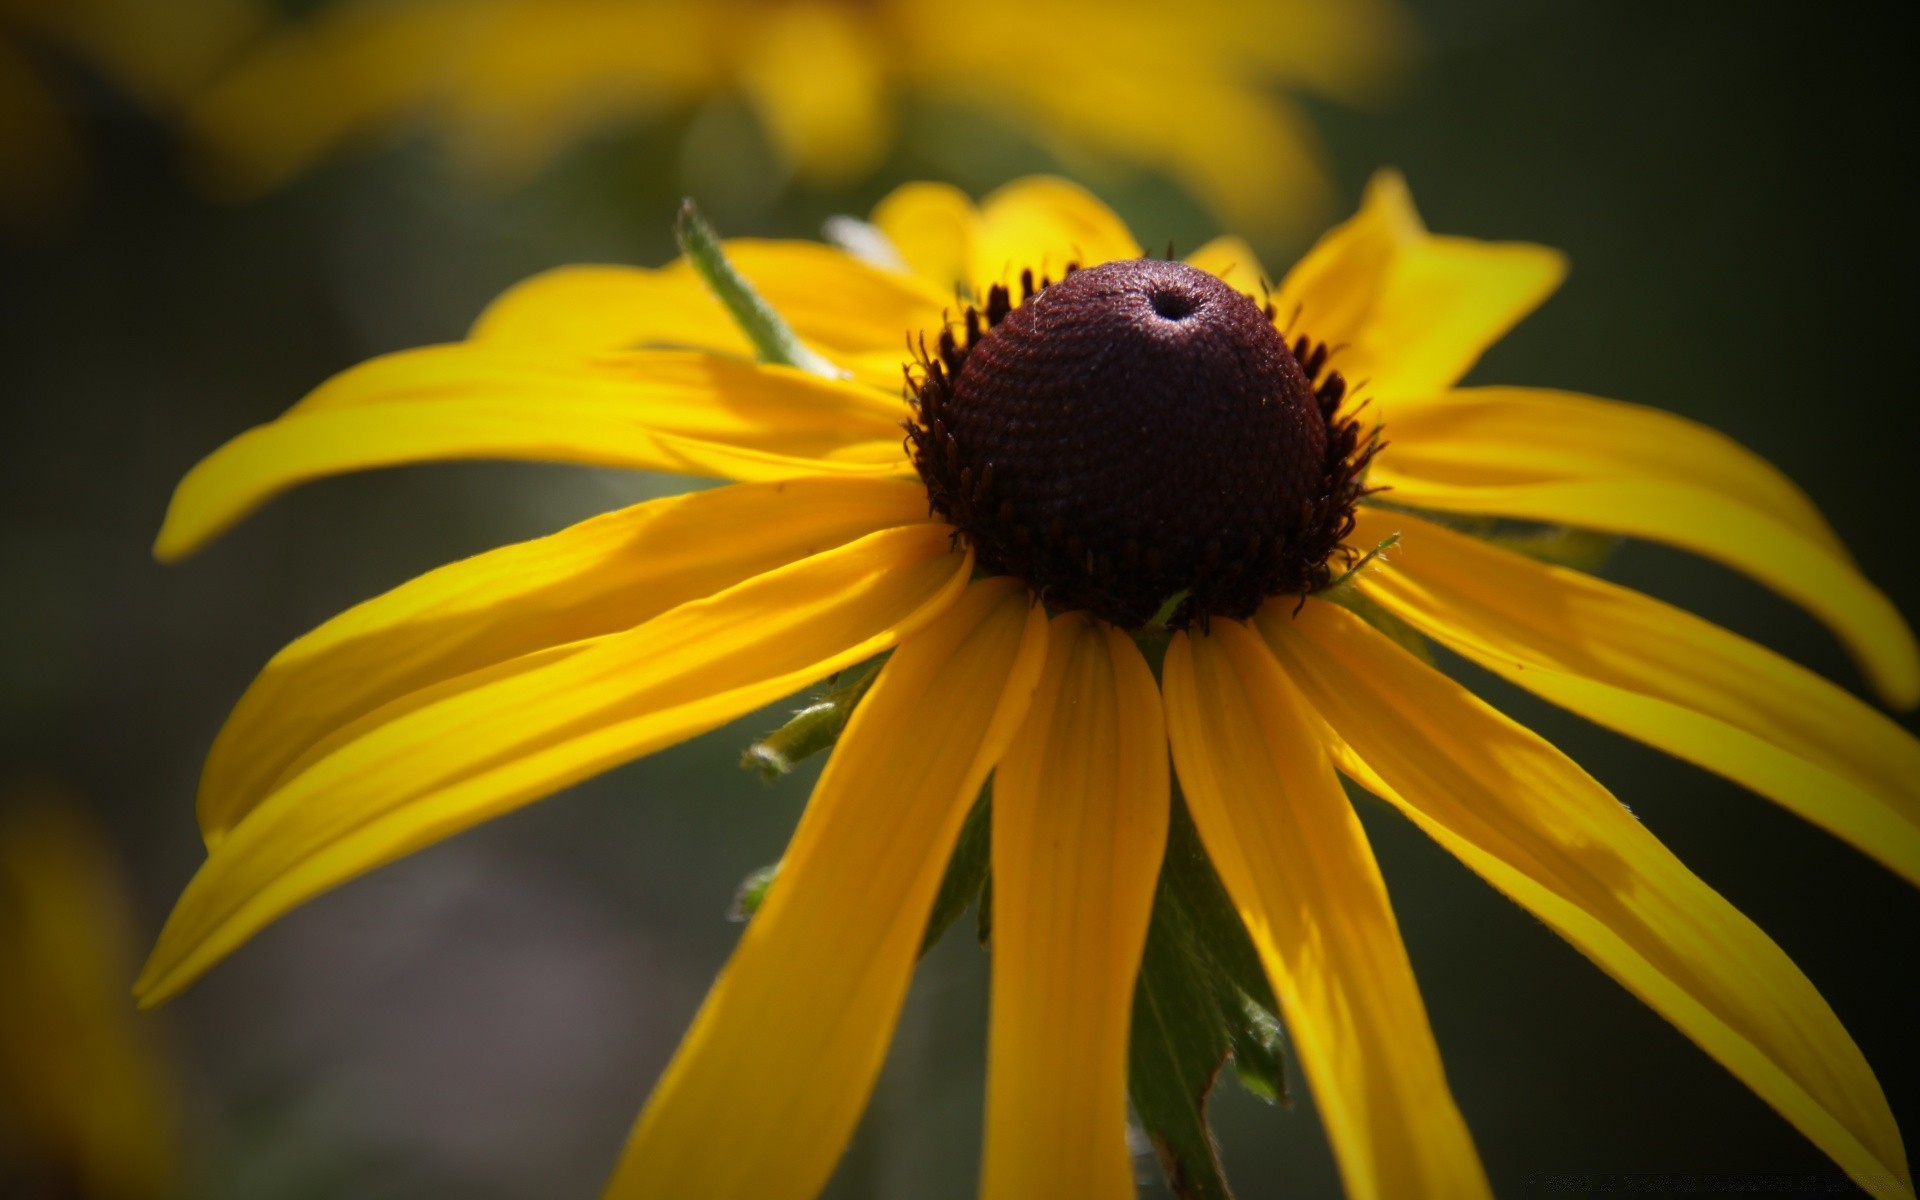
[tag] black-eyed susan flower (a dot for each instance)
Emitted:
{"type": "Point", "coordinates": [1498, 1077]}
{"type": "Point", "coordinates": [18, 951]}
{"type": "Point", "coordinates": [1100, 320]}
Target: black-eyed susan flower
{"type": "Point", "coordinates": [1102, 453]}
{"type": "Point", "coordinates": [510, 83]}
{"type": "Point", "coordinates": [156, 54]}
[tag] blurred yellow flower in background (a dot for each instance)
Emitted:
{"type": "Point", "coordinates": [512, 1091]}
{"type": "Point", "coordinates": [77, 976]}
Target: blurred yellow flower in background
{"type": "Point", "coordinates": [155, 53]}
{"type": "Point", "coordinates": [489, 683]}
{"type": "Point", "coordinates": [1199, 91]}
{"type": "Point", "coordinates": [83, 1093]}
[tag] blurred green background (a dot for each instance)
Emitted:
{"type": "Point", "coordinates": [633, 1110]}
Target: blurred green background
{"type": "Point", "coordinates": [484, 1019]}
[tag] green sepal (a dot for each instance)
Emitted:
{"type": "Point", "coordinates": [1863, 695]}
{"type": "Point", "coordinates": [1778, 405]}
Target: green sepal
{"type": "Point", "coordinates": [813, 729]}
{"type": "Point", "coordinates": [773, 340]}
{"type": "Point", "coordinates": [752, 893]}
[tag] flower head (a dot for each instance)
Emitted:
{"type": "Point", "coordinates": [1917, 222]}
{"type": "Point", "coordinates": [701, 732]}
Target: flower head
{"type": "Point", "coordinates": [1200, 92]}
{"type": "Point", "coordinates": [1198, 475]}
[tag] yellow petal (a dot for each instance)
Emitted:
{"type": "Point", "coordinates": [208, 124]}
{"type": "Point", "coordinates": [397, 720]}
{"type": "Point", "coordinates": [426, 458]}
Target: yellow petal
{"type": "Point", "coordinates": [85, 1095]}
{"type": "Point", "coordinates": [1043, 223]}
{"type": "Point", "coordinates": [1530, 435]}
{"type": "Point", "coordinates": [1410, 312]}
{"type": "Point", "coordinates": [1662, 676]}
{"type": "Point", "coordinates": [1296, 862]}
{"type": "Point", "coordinates": [837, 304]}
{"type": "Point", "coordinates": [1079, 828]}
{"type": "Point", "coordinates": [1804, 569]}
{"type": "Point", "coordinates": [816, 78]}
{"type": "Point", "coordinates": [787, 1045]}
{"type": "Point", "coordinates": [934, 226]}
{"type": "Point", "coordinates": [679, 411]}
{"type": "Point", "coordinates": [598, 577]}
{"type": "Point", "coordinates": [1541, 830]}
{"type": "Point", "coordinates": [1231, 259]}
{"type": "Point", "coordinates": [491, 742]}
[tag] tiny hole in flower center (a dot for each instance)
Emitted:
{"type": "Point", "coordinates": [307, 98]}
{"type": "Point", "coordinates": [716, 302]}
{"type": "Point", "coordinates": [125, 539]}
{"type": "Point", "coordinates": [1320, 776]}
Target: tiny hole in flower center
{"type": "Point", "coordinates": [1171, 304]}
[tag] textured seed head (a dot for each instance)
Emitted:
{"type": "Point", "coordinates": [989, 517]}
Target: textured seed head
{"type": "Point", "coordinates": [1135, 431]}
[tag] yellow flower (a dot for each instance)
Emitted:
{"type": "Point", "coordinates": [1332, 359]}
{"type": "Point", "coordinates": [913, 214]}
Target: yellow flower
{"type": "Point", "coordinates": [1104, 441]}
{"type": "Point", "coordinates": [83, 1095]}
{"type": "Point", "coordinates": [1197, 91]}
{"type": "Point", "coordinates": [156, 53]}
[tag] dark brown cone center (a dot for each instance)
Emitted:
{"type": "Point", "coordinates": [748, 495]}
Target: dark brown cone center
{"type": "Point", "coordinates": [1136, 431]}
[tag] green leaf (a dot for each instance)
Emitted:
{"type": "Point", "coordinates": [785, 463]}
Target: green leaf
{"type": "Point", "coordinates": [966, 876]}
{"type": "Point", "coordinates": [1201, 999]}
{"type": "Point", "coordinates": [1176, 1047]}
{"type": "Point", "coordinates": [811, 730]}
{"type": "Point", "coordinates": [773, 340]}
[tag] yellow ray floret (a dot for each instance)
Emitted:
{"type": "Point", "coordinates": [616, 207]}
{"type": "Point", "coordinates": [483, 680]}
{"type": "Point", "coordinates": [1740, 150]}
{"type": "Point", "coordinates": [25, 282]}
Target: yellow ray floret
{"type": "Point", "coordinates": [1079, 826]}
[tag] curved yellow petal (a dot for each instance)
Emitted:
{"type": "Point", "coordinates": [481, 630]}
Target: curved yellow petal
{"type": "Point", "coordinates": [679, 411]}
{"type": "Point", "coordinates": [1410, 312]}
{"type": "Point", "coordinates": [491, 742]}
{"type": "Point", "coordinates": [1662, 676]}
{"type": "Point", "coordinates": [1296, 862]}
{"type": "Point", "coordinates": [790, 1039]}
{"type": "Point", "coordinates": [817, 79]}
{"type": "Point", "coordinates": [1497, 435]}
{"type": "Point", "coordinates": [1541, 830]}
{"type": "Point", "coordinates": [1232, 260]}
{"type": "Point", "coordinates": [1804, 569]}
{"type": "Point", "coordinates": [838, 304]}
{"type": "Point", "coordinates": [597, 577]}
{"type": "Point", "coordinates": [1044, 223]}
{"type": "Point", "coordinates": [934, 226]}
{"type": "Point", "coordinates": [1079, 827]}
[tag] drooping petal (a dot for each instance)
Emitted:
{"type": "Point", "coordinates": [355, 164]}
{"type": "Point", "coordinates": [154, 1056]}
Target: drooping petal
{"type": "Point", "coordinates": [1044, 223]}
{"type": "Point", "coordinates": [1805, 569]}
{"type": "Point", "coordinates": [598, 577]}
{"type": "Point", "coordinates": [1662, 676]}
{"type": "Point", "coordinates": [484, 744]}
{"type": "Point", "coordinates": [679, 411]}
{"type": "Point", "coordinates": [1529, 435]}
{"type": "Point", "coordinates": [934, 226]}
{"type": "Point", "coordinates": [1296, 862]}
{"type": "Point", "coordinates": [1079, 828]}
{"type": "Point", "coordinates": [1541, 830]}
{"type": "Point", "coordinates": [1409, 312]}
{"type": "Point", "coordinates": [790, 1039]}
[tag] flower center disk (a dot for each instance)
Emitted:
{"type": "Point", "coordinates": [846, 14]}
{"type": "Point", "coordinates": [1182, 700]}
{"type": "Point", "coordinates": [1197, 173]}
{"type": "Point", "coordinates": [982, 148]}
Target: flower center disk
{"type": "Point", "coordinates": [1137, 431]}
